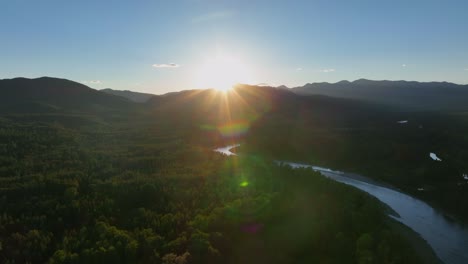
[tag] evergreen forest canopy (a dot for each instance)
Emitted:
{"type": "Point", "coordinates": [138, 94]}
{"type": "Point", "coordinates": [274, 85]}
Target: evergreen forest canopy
{"type": "Point", "coordinates": [91, 177]}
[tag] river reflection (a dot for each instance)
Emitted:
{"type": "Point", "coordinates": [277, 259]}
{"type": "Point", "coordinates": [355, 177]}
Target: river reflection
{"type": "Point", "coordinates": [448, 239]}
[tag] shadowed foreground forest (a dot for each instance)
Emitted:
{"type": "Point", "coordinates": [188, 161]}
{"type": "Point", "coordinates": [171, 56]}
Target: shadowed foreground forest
{"type": "Point", "coordinates": [75, 190]}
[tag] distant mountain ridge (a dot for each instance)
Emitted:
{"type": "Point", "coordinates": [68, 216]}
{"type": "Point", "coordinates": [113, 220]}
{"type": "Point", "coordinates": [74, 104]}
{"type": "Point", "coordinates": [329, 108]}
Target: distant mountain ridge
{"type": "Point", "coordinates": [408, 94]}
{"type": "Point", "coordinates": [136, 97]}
{"type": "Point", "coordinates": [48, 94]}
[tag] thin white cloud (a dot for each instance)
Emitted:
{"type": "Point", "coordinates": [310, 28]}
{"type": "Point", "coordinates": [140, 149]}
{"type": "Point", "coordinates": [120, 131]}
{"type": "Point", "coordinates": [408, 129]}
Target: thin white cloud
{"type": "Point", "coordinates": [466, 69]}
{"type": "Point", "coordinates": [92, 82]}
{"type": "Point", "coordinates": [403, 65]}
{"type": "Point", "coordinates": [213, 16]}
{"type": "Point", "coordinates": [265, 84]}
{"type": "Point", "coordinates": [299, 69]}
{"type": "Point", "coordinates": [327, 70]}
{"type": "Point", "coordinates": [166, 65]}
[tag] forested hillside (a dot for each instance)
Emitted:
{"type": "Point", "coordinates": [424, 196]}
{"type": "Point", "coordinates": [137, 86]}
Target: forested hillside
{"type": "Point", "coordinates": [132, 96]}
{"type": "Point", "coordinates": [139, 193]}
{"type": "Point", "coordinates": [49, 95]}
{"type": "Point", "coordinates": [144, 186]}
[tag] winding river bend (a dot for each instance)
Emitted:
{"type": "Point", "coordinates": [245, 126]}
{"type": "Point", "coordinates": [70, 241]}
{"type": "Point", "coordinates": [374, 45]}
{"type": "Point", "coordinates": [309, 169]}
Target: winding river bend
{"type": "Point", "coordinates": [448, 239]}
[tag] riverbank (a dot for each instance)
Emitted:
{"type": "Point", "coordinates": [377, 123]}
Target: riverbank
{"type": "Point", "coordinates": [422, 248]}
{"type": "Point", "coordinates": [427, 227]}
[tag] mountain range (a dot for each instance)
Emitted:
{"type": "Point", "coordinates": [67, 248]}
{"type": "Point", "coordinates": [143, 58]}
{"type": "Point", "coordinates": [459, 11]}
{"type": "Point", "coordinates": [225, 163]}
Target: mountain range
{"type": "Point", "coordinates": [433, 96]}
{"type": "Point", "coordinates": [48, 94]}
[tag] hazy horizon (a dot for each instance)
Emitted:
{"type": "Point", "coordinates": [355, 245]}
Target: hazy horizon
{"type": "Point", "coordinates": [90, 85]}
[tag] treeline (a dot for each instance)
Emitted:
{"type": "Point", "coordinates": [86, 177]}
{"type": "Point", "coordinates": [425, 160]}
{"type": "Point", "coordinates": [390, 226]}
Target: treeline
{"type": "Point", "coordinates": [116, 193]}
{"type": "Point", "coordinates": [374, 144]}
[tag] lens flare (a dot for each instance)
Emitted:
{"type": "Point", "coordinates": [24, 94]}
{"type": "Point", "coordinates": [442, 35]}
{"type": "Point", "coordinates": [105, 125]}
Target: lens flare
{"type": "Point", "coordinates": [234, 129]}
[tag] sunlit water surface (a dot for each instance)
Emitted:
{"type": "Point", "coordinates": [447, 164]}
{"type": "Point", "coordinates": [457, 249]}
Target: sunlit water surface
{"type": "Point", "coordinates": [227, 150]}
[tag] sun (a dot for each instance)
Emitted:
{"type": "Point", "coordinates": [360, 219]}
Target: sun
{"type": "Point", "coordinates": [222, 73]}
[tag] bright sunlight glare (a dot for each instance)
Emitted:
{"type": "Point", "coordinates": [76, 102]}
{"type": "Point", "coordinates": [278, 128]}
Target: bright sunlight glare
{"type": "Point", "coordinates": [222, 72]}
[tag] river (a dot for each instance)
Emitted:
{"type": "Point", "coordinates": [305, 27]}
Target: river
{"type": "Point", "coordinates": [448, 239]}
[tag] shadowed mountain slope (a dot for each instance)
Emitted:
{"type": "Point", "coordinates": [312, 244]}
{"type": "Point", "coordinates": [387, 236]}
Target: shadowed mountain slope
{"type": "Point", "coordinates": [130, 95]}
{"type": "Point", "coordinates": [52, 94]}
{"type": "Point", "coordinates": [433, 96]}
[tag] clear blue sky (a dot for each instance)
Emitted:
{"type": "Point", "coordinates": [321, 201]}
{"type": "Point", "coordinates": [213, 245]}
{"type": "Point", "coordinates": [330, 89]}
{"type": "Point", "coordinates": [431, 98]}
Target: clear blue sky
{"type": "Point", "coordinates": [116, 44]}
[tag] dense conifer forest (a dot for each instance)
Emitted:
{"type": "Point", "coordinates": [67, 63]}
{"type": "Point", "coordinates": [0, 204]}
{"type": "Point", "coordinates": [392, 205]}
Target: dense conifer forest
{"type": "Point", "coordinates": [83, 190]}
{"type": "Point", "coordinates": [106, 179]}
